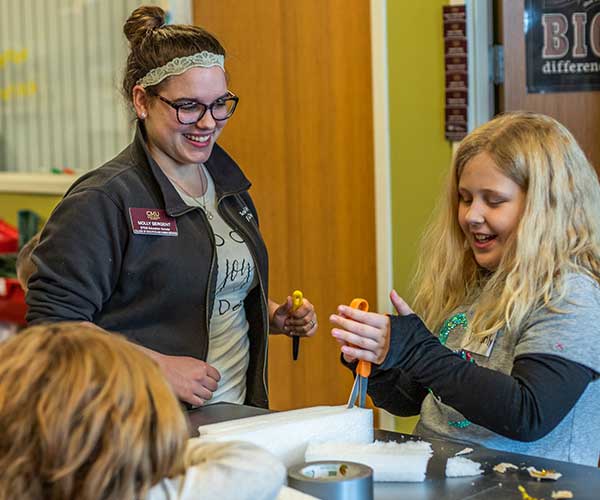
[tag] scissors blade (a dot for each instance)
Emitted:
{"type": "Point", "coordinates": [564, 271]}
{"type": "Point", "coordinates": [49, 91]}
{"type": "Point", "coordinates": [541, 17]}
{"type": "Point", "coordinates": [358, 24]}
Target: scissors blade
{"type": "Point", "coordinates": [362, 391]}
{"type": "Point", "coordinates": [353, 393]}
{"type": "Point", "coordinates": [363, 368]}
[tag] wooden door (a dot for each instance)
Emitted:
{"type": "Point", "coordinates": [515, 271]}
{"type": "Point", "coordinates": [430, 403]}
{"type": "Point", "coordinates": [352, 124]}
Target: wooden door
{"type": "Point", "coordinates": [303, 135]}
{"type": "Point", "coordinates": [578, 111]}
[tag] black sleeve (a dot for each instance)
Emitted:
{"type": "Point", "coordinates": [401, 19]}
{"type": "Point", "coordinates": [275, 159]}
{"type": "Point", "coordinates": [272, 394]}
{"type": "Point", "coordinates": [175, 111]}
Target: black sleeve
{"type": "Point", "coordinates": [393, 390]}
{"type": "Point", "coordinates": [78, 259]}
{"type": "Point", "coordinates": [525, 405]}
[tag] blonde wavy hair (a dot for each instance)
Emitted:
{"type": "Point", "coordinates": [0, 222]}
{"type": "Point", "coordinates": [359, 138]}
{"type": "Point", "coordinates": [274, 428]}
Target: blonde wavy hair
{"type": "Point", "coordinates": [84, 415]}
{"type": "Point", "coordinates": [559, 231]}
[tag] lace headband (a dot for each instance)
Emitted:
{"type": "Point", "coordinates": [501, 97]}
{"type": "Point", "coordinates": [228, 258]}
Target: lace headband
{"type": "Point", "coordinates": [180, 65]}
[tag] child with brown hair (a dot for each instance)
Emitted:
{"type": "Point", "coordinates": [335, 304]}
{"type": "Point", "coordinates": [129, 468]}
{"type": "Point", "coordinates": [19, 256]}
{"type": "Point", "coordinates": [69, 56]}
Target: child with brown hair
{"type": "Point", "coordinates": [85, 415]}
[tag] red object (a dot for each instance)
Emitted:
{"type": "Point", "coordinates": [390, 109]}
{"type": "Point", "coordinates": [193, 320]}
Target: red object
{"type": "Point", "coordinates": [12, 301]}
{"type": "Point", "coordinates": [9, 238]}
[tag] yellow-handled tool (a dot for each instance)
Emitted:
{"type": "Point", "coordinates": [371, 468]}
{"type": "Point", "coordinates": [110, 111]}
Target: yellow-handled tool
{"type": "Point", "coordinates": [363, 369]}
{"type": "Point", "coordinates": [297, 300]}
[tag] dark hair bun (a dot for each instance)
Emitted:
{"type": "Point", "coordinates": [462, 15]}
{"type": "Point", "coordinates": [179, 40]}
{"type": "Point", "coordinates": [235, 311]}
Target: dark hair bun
{"type": "Point", "coordinates": [143, 20]}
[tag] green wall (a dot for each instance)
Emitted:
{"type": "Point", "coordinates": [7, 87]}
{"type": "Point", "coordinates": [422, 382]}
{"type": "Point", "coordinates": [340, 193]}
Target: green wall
{"type": "Point", "coordinates": [11, 203]}
{"type": "Point", "coordinates": [419, 152]}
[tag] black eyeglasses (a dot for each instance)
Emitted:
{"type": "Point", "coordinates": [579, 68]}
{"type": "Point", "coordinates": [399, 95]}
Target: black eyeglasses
{"type": "Point", "coordinates": [190, 112]}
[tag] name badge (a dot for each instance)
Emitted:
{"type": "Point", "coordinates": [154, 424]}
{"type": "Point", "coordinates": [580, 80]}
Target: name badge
{"type": "Point", "coordinates": [152, 221]}
{"type": "Point", "coordinates": [476, 346]}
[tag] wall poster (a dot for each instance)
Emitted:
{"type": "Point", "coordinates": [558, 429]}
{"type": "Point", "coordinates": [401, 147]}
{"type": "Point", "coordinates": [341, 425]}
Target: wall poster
{"type": "Point", "coordinates": [456, 71]}
{"type": "Point", "coordinates": [562, 45]}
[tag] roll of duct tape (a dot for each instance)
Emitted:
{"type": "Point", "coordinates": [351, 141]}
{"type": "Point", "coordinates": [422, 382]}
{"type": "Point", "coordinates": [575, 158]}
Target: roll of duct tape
{"type": "Point", "coordinates": [333, 480]}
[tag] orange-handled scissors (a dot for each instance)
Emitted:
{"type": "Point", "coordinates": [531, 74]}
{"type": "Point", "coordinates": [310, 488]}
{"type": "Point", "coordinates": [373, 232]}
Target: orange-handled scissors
{"type": "Point", "coordinates": [297, 299]}
{"type": "Point", "coordinates": [363, 369]}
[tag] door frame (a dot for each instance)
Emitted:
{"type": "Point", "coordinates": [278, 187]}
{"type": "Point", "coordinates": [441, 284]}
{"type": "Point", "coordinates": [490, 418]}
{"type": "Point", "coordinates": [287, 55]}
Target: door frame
{"type": "Point", "coordinates": [381, 152]}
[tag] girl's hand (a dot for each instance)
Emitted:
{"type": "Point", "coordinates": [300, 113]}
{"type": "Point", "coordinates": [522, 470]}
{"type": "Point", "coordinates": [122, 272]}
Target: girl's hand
{"type": "Point", "coordinates": [362, 335]}
{"type": "Point", "coordinates": [365, 335]}
{"type": "Point", "coordinates": [299, 323]}
{"type": "Point", "coordinates": [401, 307]}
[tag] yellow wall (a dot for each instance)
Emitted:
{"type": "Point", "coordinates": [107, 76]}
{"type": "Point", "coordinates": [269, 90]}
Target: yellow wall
{"type": "Point", "coordinates": [419, 152]}
{"type": "Point", "coordinates": [11, 203]}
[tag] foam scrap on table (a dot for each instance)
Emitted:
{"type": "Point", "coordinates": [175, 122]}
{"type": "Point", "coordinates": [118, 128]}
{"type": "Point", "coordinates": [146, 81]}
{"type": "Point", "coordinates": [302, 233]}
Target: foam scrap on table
{"type": "Point", "coordinates": [544, 474]}
{"type": "Point", "coordinates": [287, 433]}
{"type": "Point", "coordinates": [504, 466]}
{"type": "Point", "coordinates": [390, 461]}
{"type": "Point", "coordinates": [464, 451]}
{"type": "Point", "coordinates": [562, 494]}
{"type": "Point", "coordinates": [462, 467]}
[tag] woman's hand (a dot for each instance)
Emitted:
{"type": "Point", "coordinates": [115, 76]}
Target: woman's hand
{"type": "Point", "coordinates": [192, 380]}
{"type": "Point", "coordinates": [299, 323]}
{"type": "Point", "coordinates": [365, 335]}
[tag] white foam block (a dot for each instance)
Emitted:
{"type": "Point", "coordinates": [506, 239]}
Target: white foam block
{"type": "Point", "coordinates": [286, 434]}
{"type": "Point", "coordinates": [462, 467]}
{"type": "Point", "coordinates": [390, 461]}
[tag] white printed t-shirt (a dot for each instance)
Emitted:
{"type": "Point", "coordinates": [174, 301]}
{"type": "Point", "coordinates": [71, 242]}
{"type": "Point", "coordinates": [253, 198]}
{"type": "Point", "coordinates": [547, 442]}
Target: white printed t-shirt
{"type": "Point", "coordinates": [228, 344]}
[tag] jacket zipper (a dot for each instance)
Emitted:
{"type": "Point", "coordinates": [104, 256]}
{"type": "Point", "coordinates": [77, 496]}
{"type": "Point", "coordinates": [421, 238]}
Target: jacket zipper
{"type": "Point", "coordinates": [208, 311]}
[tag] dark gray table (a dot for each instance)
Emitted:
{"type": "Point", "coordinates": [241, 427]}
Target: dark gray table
{"type": "Point", "coordinates": [583, 481]}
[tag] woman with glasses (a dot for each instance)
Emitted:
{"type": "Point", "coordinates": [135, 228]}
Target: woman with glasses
{"type": "Point", "coordinates": [162, 242]}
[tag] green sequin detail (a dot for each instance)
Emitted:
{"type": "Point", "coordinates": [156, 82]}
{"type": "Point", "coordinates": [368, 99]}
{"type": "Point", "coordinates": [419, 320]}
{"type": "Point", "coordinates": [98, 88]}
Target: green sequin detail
{"type": "Point", "coordinates": [455, 321]}
{"type": "Point", "coordinates": [459, 424]}
{"type": "Point", "coordinates": [433, 394]}
{"type": "Point", "coordinates": [449, 325]}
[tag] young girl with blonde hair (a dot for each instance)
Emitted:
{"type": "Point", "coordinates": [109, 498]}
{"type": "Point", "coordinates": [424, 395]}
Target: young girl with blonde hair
{"type": "Point", "coordinates": [508, 280]}
{"type": "Point", "coordinates": [86, 415]}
